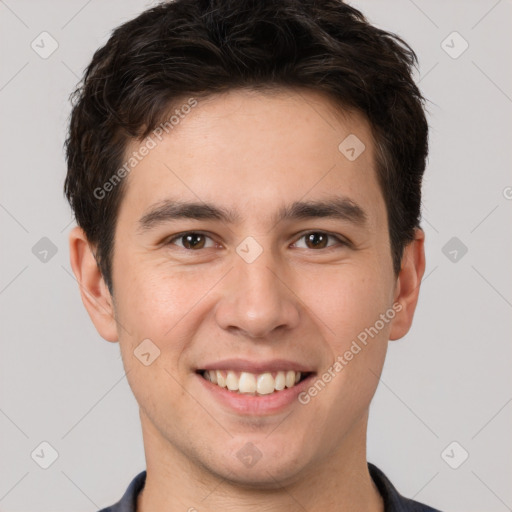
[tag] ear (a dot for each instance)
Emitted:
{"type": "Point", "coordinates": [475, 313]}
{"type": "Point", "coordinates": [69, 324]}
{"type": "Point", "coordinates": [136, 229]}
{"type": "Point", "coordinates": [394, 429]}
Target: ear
{"type": "Point", "coordinates": [95, 294]}
{"type": "Point", "coordinates": [408, 284]}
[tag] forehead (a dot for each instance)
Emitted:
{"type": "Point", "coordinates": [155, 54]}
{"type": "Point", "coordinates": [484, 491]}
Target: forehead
{"type": "Point", "coordinates": [250, 150]}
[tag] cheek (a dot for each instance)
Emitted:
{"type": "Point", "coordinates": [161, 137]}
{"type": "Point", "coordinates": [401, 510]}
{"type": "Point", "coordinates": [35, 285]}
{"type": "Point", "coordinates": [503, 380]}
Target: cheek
{"type": "Point", "coordinates": [151, 300]}
{"type": "Point", "coordinates": [355, 337]}
{"type": "Point", "coordinates": [356, 340]}
{"type": "Point", "coordinates": [361, 322]}
{"type": "Point", "coordinates": [153, 306]}
{"type": "Point", "coordinates": [348, 301]}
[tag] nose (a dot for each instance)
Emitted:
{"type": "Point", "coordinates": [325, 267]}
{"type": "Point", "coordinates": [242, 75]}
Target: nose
{"type": "Point", "coordinates": [257, 300]}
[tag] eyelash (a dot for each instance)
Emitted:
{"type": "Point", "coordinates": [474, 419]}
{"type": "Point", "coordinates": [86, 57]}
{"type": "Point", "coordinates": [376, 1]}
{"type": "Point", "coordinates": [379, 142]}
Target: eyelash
{"type": "Point", "coordinates": [340, 241]}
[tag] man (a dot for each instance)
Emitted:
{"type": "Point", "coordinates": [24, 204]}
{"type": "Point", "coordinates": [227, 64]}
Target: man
{"type": "Point", "coordinates": [246, 179]}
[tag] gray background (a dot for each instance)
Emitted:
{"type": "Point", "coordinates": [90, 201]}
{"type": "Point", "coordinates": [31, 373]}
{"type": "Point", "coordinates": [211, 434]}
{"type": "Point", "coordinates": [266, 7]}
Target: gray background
{"type": "Point", "coordinates": [448, 380]}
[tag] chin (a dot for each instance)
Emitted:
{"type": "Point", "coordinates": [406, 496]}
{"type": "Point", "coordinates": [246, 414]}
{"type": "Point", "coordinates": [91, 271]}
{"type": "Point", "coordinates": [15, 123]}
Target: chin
{"type": "Point", "coordinates": [260, 465]}
{"type": "Point", "coordinates": [268, 476]}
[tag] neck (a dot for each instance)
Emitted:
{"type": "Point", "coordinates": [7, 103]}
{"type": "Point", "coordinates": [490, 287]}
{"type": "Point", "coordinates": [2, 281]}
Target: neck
{"type": "Point", "coordinates": [338, 482]}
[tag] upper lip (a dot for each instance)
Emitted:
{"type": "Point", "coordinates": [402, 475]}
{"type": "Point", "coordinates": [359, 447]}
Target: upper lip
{"type": "Point", "coordinates": [257, 367]}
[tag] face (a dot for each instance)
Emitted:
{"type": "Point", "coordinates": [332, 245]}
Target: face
{"type": "Point", "coordinates": [256, 286]}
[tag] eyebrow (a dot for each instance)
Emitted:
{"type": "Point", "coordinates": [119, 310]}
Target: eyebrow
{"type": "Point", "coordinates": [339, 207]}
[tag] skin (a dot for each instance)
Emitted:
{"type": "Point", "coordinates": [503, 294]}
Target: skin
{"type": "Point", "coordinates": [253, 152]}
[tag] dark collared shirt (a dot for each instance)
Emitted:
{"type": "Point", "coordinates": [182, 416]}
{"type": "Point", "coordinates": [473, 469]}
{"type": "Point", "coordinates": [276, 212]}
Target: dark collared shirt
{"type": "Point", "coordinates": [393, 501]}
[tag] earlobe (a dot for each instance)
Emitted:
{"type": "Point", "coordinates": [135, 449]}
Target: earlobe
{"type": "Point", "coordinates": [408, 284]}
{"type": "Point", "coordinates": [95, 294]}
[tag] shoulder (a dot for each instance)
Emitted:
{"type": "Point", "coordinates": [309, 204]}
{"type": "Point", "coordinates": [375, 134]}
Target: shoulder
{"type": "Point", "coordinates": [128, 502]}
{"type": "Point", "coordinates": [393, 500]}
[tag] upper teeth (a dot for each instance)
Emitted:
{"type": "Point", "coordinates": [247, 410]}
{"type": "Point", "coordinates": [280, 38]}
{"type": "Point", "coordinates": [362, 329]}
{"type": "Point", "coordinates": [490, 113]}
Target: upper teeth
{"type": "Point", "coordinates": [245, 382]}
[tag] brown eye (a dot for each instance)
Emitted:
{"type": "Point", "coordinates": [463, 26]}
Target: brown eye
{"type": "Point", "coordinates": [190, 241]}
{"type": "Point", "coordinates": [319, 240]}
{"type": "Point", "coordinates": [316, 240]}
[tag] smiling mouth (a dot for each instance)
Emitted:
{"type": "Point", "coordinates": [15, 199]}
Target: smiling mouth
{"type": "Point", "coordinates": [254, 384]}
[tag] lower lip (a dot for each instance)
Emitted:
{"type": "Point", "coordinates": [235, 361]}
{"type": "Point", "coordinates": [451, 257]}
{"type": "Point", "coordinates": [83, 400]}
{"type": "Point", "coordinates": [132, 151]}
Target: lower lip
{"type": "Point", "coordinates": [256, 404]}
